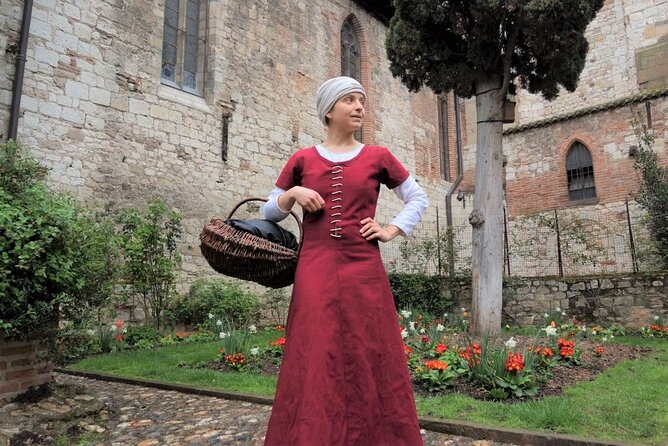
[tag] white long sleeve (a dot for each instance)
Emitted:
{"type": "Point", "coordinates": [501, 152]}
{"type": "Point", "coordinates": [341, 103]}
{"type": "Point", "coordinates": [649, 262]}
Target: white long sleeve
{"type": "Point", "coordinates": [271, 211]}
{"type": "Point", "coordinates": [415, 202]}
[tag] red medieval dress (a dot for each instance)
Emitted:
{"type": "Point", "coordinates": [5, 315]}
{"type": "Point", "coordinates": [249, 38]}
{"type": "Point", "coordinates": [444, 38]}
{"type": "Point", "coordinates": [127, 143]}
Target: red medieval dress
{"type": "Point", "coordinates": [344, 379]}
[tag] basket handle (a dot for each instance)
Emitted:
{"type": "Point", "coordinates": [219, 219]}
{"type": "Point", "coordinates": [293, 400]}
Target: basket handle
{"type": "Point", "coordinates": [246, 200]}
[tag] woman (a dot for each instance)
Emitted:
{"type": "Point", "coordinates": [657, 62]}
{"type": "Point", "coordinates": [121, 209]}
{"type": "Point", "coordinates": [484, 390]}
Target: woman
{"type": "Point", "coordinates": [344, 379]}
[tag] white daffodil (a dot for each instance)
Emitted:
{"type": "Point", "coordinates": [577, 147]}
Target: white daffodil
{"type": "Point", "coordinates": [511, 343]}
{"type": "Point", "coordinates": [411, 325]}
{"type": "Point", "coordinates": [255, 351]}
{"type": "Point", "coordinates": [219, 322]}
{"type": "Point", "coordinates": [404, 334]}
{"type": "Point", "coordinates": [445, 315]}
{"type": "Point", "coordinates": [406, 313]}
{"type": "Point", "coordinates": [546, 315]}
{"type": "Point", "coordinates": [440, 327]}
{"type": "Point", "coordinates": [558, 310]}
{"type": "Point", "coordinates": [211, 316]}
{"type": "Point", "coordinates": [223, 335]}
{"type": "Point", "coordinates": [550, 331]}
{"type": "Point", "coordinates": [656, 318]}
{"type": "Point", "coordinates": [463, 309]}
{"type": "Point", "coordinates": [422, 331]}
{"type": "Point", "coordinates": [252, 328]}
{"type": "Point", "coordinates": [90, 332]}
{"type": "Point", "coordinates": [604, 339]}
{"type": "Point", "coordinates": [563, 313]}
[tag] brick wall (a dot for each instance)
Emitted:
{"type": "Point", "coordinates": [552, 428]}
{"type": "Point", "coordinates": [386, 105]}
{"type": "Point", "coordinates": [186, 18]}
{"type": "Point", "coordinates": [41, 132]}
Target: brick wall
{"type": "Point", "coordinates": [22, 367]}
{"type": "Point", "coordinates": [536, 159]}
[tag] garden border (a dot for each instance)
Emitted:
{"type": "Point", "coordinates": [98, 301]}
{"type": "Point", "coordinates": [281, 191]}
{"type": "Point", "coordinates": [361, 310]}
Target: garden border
{"type": "Point", "coordinates": [472, 430]}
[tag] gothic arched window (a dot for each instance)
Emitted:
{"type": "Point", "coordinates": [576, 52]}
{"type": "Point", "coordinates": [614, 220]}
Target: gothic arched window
{"type": "Point", "coordinates": [580, 173]}
{"type": "Point", "coordinates": [351, 56]}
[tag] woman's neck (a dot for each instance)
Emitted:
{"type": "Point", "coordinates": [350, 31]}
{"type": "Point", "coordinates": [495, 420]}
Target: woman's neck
{"type": "Point", "coordinates": [340, 143]}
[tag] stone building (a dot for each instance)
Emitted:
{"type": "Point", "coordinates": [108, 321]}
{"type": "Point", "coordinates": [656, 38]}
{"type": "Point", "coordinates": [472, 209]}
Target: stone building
{"type": "Point", "coordinates": [201, 102]}
{"type": "Point", "coordinates": [575, 153]}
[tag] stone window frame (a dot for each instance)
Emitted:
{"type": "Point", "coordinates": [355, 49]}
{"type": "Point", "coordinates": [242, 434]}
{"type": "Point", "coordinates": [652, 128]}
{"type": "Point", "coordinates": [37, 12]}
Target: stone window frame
{"type": "Point", "coordinates": [580, 174]}
{"type": "Point", "coordinates": [179, 39]}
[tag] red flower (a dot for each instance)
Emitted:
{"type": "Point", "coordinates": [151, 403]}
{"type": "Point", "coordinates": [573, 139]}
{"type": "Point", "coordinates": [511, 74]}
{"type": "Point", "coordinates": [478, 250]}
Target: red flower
{"type": "Point", "coordinates": [407, 350]}
{"type": "Point", "coordinates": [599, 351]}
{"type": "Point", "coordinates": [514, 362]}
{"type": "Point", "coordinates": [441, 348]}
{"type": "Point", "coordinates": [655, 327]}
{"type": "Point", "coordinates": [280, 328]}
{"type": "Point", "coordinates": [665, 329]}
{"type": "Point", "coordinates": [566, 348]}
{"type": "Point", "coordinates": [547, 352]}
{"type": "Point", "coordinates": [118, 337]}
{"type": "Point", "coordinates": [471, 354]}
{"type": "Point", "coordinates": [426, 339]}
{"type": "Point", "coordinates": [119, 323]}
{"type": "Point", "coordinates": [280, 342]}
{"type": "Point", "coordinates": [435, 364]}
{"type": "Point", "coordinates": [237, 359]}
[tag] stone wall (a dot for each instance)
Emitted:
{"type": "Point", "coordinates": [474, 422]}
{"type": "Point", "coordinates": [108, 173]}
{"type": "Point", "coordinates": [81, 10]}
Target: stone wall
{"type": "Point", "coordinates": [620, 29]}
{"type": "Point", "coordinates": [95, 112]}
{"type": "Point", "coordinates": [629, 300]}
{"type": "Point", "coordinates": [22, 366]}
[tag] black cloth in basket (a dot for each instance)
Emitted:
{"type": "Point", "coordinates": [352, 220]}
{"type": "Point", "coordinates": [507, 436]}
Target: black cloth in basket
{"type": "Point", "coordinates": [245, 255]}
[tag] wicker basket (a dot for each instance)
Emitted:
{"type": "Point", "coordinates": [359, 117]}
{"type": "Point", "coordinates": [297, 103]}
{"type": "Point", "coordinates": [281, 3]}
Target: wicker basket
{"type": "Point", "coordinates": [246, 256]}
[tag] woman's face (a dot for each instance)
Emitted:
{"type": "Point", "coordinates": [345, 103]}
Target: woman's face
{"type": "Point", "coordinates": [348, 112]}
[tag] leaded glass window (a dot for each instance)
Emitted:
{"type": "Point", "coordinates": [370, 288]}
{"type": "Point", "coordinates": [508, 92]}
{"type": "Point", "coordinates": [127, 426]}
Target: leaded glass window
{"type": "Point", "coordinates": [184, 44]}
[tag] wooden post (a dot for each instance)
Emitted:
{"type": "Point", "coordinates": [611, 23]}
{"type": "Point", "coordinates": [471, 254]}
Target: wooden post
{"type": "Point", "coordinates": [487, 215]}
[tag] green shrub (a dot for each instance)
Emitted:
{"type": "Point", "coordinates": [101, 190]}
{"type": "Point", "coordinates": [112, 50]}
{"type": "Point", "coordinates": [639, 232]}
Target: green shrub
{"type": "Point", "coordinates": [216, 296]}
{"type": "Point", "coordinates": [135, 334]}
{"type": "Point", "coordinates": [56, 260]}
{"type": "Point", "coordinates": [150, 257]}
{"type": "Point", "coordinates": [419, 292]}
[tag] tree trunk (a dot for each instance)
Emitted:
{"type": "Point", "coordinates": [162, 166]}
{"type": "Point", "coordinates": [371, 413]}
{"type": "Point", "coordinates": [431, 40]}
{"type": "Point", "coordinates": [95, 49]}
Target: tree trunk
{"type": "Point", "coordinates": [487, 215]}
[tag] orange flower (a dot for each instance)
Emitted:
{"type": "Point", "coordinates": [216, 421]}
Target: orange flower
{"type": "Point", "coordinates": [476, 348]}
{"type": "Point", "coordinates": [280, 342]}
{"type": "Point", "coordinates": [547, 352]}
{"type": "Point", "coordinates": [665, 329]}
{"type": "Point", "coordinates": [119, 323]}
{"type": "Point", "coordinates": [407, 350]}
{"type": "Point", "coordinates": [118, 337]}
{"type": "Point", "coordinates": [514, 362]}
{"type": "Point", "coordinates": [599, 351]}
{"type": "Point", "coordinates": [435, 364]}
{"type": "Point", "coordinates": [441, 348]}
{"type": "Point", "coordinates": [181, 334]}
{"type": "Point", "coordinates": [566, 348]}
{"type": "Point", "coordinates": [280, 328]}
{"type": "Point", "coordinates": [655, 327]}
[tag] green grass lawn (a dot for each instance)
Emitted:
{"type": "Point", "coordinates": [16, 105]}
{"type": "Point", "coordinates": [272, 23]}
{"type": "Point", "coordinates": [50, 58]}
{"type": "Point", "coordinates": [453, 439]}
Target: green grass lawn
{"type": "Point", "coordinates": [627, 402]}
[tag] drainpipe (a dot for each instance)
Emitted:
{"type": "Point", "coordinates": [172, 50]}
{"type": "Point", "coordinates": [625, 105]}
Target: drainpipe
{"type": "Point", "coordinates": [460, 175]}
{"type": "Point", "coordinates": [17, 91]}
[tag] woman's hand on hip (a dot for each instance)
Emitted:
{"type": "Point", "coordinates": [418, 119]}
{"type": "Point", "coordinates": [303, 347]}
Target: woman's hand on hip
{"type": "Point", "coordinates": [371, 230]}
{"type": "Point", "coordinates": [308, 199]}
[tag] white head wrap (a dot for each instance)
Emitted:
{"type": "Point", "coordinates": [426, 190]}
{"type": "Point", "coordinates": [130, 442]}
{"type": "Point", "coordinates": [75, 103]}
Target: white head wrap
{"type": "Point", "coordinates": [333, 90]}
